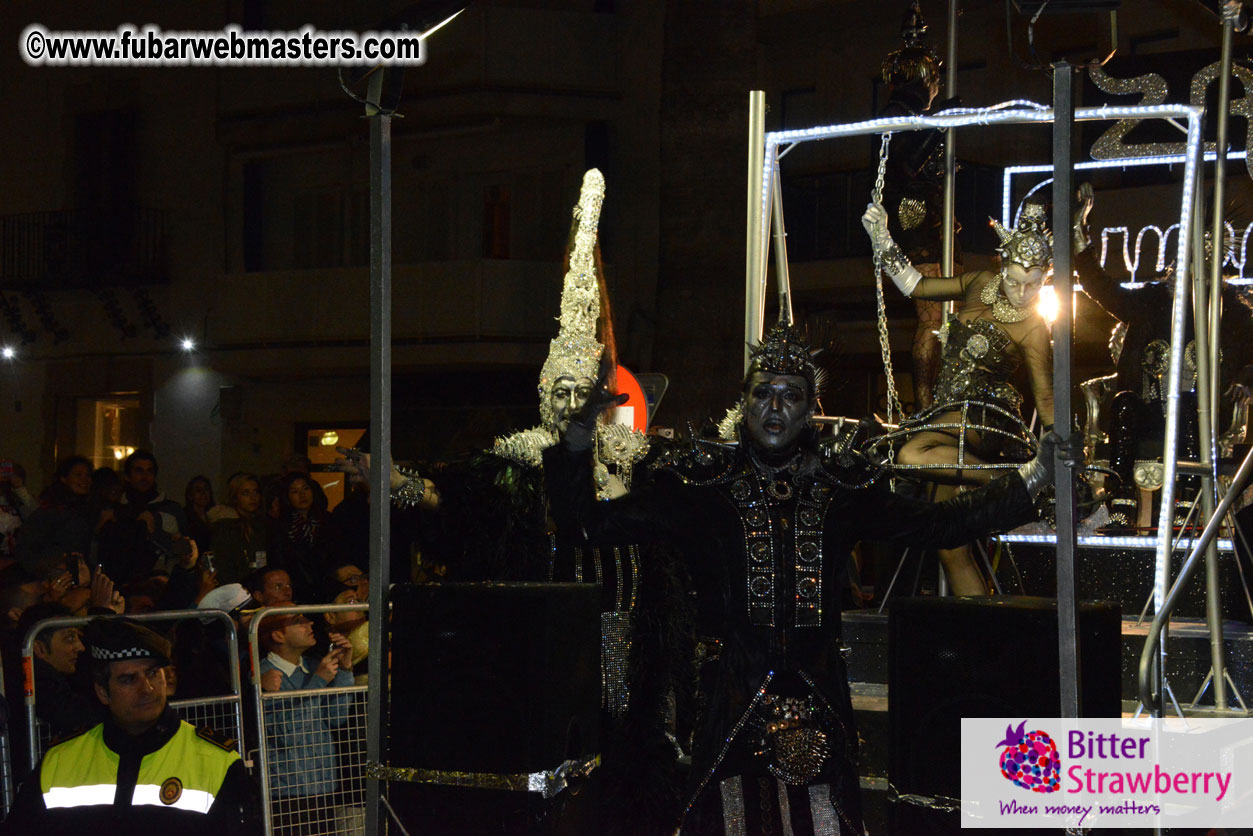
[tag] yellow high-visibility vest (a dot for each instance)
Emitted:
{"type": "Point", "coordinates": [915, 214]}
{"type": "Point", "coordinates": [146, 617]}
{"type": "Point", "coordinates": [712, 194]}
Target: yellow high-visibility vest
{"type": "Point", "coordinates": [186, 773]}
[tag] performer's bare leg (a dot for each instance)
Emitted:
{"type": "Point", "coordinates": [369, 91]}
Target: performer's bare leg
{"type": "Point", "coordinates": [934, 448]}
{"type": "Point", "coordinates": [937, 449]}
{"type": "Point", "coordinates": [926, 351]}
{"type": "Point", "coordinates": [964, 577]}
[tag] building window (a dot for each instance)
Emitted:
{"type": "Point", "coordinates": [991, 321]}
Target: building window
{"type": "Point", "coordinates": [497, 206]}
{"type": "Point", "coordinates": [331, 228]}
{"type": "Point", "coordinates": [109, 429]}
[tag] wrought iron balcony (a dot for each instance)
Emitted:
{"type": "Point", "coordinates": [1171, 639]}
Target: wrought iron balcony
{"type": "Point", "coordinates": [84, 248]}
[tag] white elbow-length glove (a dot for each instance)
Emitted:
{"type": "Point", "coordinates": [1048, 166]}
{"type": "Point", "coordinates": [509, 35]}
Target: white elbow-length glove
{"type": "Point", "coordinates": [904, 275]}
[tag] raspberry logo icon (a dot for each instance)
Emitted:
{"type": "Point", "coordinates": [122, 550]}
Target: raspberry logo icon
{"type": "Point", "coordinates": [1030, 759]}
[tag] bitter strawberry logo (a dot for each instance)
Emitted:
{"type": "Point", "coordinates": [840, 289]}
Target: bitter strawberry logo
{"type": "Point", "coordinates": [1030, 759]}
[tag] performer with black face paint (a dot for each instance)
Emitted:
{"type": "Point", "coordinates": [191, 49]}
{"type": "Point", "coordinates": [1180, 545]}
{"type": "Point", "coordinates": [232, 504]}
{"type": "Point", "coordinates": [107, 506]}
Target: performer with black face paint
{"type": "Point", "coordinates": [765, 527]}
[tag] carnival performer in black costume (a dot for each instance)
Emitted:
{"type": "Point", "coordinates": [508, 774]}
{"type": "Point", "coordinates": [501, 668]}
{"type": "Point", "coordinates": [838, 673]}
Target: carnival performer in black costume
{"type": "Point", "coordinates": [1141, 358]}
{"type": "Point", "coordinates": [913, 184]}
{"type": "Point", "coordinates": [486, 518]}
{"type": "Point", "coordinates": [765, 527]}
{"type": "Point", "coordinates": [975, 425]}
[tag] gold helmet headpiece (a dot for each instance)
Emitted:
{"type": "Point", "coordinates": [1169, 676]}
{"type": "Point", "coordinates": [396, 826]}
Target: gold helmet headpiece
{"type": "Point", "coordinates": [1030, 243]}
{"type": "Point", "coordinates": [575, 352]}
{"type": "Point", "coordinates": [915, 61]}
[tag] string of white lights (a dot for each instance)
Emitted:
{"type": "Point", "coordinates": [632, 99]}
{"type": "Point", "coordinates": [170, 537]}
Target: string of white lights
{"type": "Point", "coordinates": [1100, 541]}
{"type": "Point", "coordinates": [1239, 262]}
{"type": "Point", "coordinates": [1010, 172]}
{"type": "Point", "coordinates": [1170, 458]}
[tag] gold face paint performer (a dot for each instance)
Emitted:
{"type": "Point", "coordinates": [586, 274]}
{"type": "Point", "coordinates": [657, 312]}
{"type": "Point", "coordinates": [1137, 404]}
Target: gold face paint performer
{"type": "Point", "coordinates": [487, 519]}
{"type": "Point", "coordinates": [975, 426]}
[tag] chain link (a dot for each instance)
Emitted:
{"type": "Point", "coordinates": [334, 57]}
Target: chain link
{"type": "Point", "coordinates": [894, 407]}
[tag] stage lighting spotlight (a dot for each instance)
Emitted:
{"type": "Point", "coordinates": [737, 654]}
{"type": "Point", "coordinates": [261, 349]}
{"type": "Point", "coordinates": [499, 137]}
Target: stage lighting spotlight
{"type": "Point", "coordinates": [8, 352]}
{"type": "Point", "coordinates": [188, 344]}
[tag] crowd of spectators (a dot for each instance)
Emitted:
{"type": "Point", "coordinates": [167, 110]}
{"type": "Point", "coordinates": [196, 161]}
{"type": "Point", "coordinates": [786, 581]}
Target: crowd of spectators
{"type": "Point", "coordinates": [106, 541]}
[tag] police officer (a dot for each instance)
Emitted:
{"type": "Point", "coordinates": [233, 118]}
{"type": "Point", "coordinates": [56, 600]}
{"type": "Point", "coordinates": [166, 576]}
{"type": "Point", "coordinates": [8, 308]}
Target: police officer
{"type": "Point", "coordinates": [143, 770]}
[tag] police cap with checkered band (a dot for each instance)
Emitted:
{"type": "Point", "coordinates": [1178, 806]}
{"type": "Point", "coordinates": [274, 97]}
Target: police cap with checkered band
{"type": "Point", "coordinates": [117, 639]}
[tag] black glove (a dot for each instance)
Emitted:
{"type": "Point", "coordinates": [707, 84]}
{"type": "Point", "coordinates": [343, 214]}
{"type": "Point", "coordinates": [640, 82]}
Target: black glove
{"type": "Point", "coordinates": [1041, 470]}
{"type": "Point", "coordinates": [581, 432]}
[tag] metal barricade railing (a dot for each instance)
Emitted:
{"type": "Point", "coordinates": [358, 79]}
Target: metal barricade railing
{"type": "Point", "coordinates": [311, 746]}
{"type": "Point", "coordinates": [224, 713]}
{"type": "Point", "coordinates": [6, 753]}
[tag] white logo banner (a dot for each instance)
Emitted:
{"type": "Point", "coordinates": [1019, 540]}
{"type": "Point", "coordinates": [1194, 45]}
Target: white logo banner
{"type": "Point", "coordinates": [1067, 772]}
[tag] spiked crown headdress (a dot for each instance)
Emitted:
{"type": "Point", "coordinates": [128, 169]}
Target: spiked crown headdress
{"type": "Point", "coordinates": [1030, 243]}
{"type": "Point", "coordinates": [783, 350]}
{"type": "Point", "coordinates": [575, 352]}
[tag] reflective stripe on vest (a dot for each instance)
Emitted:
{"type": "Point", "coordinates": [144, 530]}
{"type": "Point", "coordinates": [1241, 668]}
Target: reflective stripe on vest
{"type": "Point", "coordinates": [186, 773]}
{"type": "Point", "coordinates": [198, 801]}
{"type": "Point", "coordinates": [83, 796]}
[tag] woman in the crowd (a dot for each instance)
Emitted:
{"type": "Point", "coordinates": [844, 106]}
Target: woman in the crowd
{"type": "Point", "coordinates": [239, 535]}
{"type": "Point", "coordinates": [197, 500]}
{"type": "Point", "coordinates": [300, 538]}
{"type": "Point", "coordinates": [63, 523]}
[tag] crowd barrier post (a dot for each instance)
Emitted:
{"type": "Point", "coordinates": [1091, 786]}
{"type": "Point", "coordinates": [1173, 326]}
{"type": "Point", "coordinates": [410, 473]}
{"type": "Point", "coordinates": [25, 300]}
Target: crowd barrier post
{"type": "Point", "coordinates": [296, 713]}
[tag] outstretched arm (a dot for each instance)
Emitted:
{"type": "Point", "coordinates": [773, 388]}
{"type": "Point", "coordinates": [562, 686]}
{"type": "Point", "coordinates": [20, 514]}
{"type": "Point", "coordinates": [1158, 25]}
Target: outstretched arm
{"type": "Point", "coordinates": [903, 274]}
{"type": "Point", "coordinates": [408, 488]}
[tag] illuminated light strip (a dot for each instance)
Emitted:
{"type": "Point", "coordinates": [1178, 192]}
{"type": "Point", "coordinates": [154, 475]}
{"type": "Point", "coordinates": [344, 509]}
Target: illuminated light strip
{"type": "Point", "coordinates": [1112, 542]}
{"type": "Point", "coordinates": [1040, 114]}
{"type": "Point", "coordinates": [1122, 162]}
{"type": "Point", "coordinates": [1170, 457]}
{"type": "Point", "coordinates": [1026, 112]}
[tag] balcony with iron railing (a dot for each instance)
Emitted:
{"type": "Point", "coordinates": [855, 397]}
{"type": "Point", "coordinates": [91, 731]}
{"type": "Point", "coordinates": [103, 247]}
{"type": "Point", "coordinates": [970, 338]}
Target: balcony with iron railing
{"type": "Point", "coordinates": [84, 248]}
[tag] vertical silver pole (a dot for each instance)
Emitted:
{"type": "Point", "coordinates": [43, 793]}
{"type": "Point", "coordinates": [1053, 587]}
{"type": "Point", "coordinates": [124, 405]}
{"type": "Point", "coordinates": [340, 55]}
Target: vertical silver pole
{"type": "Point", "coordinates": [1170, 453]}
{"type": "Point", "coordinates": [380, 446]}
{"type": "Point", "coordinates": [1207, 327]}
{"type": "Point", "coordinates": [1230, 14]}
{"type": "Point", "coordinates": [782, 278]}
{"type": "Point", "coordinates": [950, 154]}
{"type": "Point", "coordinates": [1063, 281]}
{"type": "Point", "coordinates": [754, 303]}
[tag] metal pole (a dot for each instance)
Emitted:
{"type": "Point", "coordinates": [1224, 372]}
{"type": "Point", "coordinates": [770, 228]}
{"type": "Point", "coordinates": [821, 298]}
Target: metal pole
{"type": "Point", "coordinates": [1063, 281]}
{"type": "Point", "coordinates": [1185, 572]}
{"type": "Point", "coordinates": [754, 304]}
{"type": "Point", "coordinates": [782, 278]}
{"type": "Point", "coordinates": [950, 156]}
{"type": "Point", "coordinates": [1170, 453]}
{"type": "Point", "coordinates": [1207, 327]}
{"type": "Point", "coordinates": [381, 445]}
{"type": "Point", "coordinates": [1231, 10]}
{"type": "Point", "coordinates": [1206, 455]}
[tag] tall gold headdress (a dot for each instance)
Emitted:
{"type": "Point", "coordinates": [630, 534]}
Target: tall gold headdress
{"type": "Point", "coordinates": [1030, 243]}
{"type": "Point", "coordinates": [575, 352]}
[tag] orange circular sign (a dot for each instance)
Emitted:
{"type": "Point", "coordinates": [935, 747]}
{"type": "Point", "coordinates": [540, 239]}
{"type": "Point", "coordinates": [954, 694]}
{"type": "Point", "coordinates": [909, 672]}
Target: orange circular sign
{"type": "Point", "coordinates": [633, 413]}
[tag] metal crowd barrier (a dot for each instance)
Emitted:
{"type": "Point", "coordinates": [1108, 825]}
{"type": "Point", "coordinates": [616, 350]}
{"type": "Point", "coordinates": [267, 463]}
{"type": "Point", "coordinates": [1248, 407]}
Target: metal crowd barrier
{"type": "Point", "coordinates": [311, 747]}
{"type": "Point", "coordinates": [6, 754]}
{"type": "Point", "coordinates": [224, 714]}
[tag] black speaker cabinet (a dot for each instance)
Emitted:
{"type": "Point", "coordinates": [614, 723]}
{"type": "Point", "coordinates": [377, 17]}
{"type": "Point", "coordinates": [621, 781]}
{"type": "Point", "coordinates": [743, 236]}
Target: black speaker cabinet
{"type": "Point", "coordinates": [951, 658]}
{"type": "Point", "coordinates": [500, 679]}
